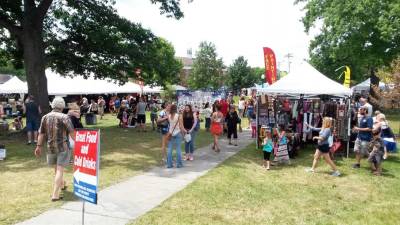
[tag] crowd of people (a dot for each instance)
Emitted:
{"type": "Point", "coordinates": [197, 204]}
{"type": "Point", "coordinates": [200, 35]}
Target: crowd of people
{"type": "Point", "coordinates": [178, 124]}
{"type": "Point", "coordinates": [374, 138]}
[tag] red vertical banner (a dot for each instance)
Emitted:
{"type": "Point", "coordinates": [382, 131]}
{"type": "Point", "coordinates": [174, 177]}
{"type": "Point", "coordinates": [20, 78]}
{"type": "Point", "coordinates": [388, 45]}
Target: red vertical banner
{"type": "Point", "coordinates": [270, 65]}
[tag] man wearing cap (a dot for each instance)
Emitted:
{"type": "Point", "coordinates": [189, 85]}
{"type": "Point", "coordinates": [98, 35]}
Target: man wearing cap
{"type": "Point", "coordinates": [364, 102]}
{"type": "Point", "coordinates": [364, 135]}
{"type": "Point", "coordinates": [56, 128]}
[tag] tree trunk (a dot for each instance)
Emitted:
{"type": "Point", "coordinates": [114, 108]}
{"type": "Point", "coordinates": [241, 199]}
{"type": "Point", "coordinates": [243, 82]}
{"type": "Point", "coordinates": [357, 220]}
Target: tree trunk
{"type": "Point", "coordinates": [35, 65]}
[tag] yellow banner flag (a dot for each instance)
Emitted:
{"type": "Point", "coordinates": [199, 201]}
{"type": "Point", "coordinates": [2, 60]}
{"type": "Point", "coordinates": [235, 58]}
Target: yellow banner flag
{"type": "Point", "coordinates": [347, 77]}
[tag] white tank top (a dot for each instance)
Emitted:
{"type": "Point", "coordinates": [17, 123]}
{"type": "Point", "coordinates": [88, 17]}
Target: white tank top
{"type": "Point", "coordinates": [172, 123]}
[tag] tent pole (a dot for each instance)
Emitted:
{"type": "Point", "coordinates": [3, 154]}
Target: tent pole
{"type": "Point", "coordinates": [348, 126]}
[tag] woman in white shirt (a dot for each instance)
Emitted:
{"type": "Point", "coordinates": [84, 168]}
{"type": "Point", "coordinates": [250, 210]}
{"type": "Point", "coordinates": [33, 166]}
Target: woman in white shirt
{"type": "Point", "coordinates": [241, 106]}
{"type": "Point", "coordinates": [175, 130]}
{"type": "Point", "coordinates": [207, 111]}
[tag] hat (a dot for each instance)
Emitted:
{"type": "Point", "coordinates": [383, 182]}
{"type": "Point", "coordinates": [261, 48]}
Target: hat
{"type": "Point", "coordinates": [364, 107]}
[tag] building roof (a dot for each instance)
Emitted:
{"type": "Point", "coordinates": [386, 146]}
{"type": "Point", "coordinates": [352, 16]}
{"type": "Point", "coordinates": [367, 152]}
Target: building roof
{"type": "Point", "coordinates": [4, 78]}
{"type": "Point", "coordinates": [186, 61]}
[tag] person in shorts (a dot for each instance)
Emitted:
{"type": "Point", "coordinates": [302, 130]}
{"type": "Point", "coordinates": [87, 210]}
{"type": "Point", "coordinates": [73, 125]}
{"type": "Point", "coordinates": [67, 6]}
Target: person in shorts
{"type": "Point", "coordinates": [378, 152]}
{"type": "Point", "coordinates": [32, 113]}
{"type": "Point", "coordinates": [364, 136]}
{"type": "Point", "coordinates": [323, 146]}
{"type": "Point", "coordinates": [57, 129]}
{"type": "Point", "coordinates": [141, 114]}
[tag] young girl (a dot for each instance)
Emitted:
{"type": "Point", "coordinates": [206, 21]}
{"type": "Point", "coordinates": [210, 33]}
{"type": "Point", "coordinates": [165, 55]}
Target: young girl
{"type": "Point", "coordinates": [253, 123]}
{"type": "Point", "coordinates": [125, 116]}
{"type": "Point", "coordinates": [267, 149]}
{"type": "Point", "coordinates": [378, 152]}
{"type": "Point", "coordinates": [232, 120]}
{"type": "Point", "coordinates": [216, 126]}
{"type": "Point", "coordinates": [281, 153]}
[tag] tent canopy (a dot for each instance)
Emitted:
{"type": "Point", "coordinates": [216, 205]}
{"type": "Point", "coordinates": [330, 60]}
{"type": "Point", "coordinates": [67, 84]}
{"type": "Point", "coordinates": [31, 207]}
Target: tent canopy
{"type": "Point", "coordinates": [179, 88]}
{"type": "Point", "coordinates": [305, 79]}
{"type": "Point", "coordinates": [365, 85]}
{"type": "Point", "coordinates": [59, 85]}
{"type": "Point", "coordinates": [14, 86]}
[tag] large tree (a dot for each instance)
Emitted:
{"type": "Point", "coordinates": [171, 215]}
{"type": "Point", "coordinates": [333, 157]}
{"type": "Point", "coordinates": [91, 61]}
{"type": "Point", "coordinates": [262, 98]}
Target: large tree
{"type": "Point", "coordinates": [79, 37]}
{"type": "Point", "coordinates": [207, 68]}
{"type": "Point", "coordinates": [363, 34]}
{"type": "Point", "coordinates": [240, 75]}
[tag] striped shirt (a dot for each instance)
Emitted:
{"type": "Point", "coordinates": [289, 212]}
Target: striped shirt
{"type": "Point", "coordinates": [56, 126]}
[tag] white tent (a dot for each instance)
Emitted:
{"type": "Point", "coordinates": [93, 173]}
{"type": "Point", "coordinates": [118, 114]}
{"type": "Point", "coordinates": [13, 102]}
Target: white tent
{"type": "Point", "coordinates": [14, 86]}
{"type": "Point", "coordinates": [305, 79]}
{"type": "Point", "coordinates": [58, 85]}
{"type": "Point", "coordinates": [365, 86]}
{"type": "Point", "coordinates": [177, 87]}
{"type": "Point", "coordinates": [148, 89]}
{"type": "Point", "coordinates": [77, 85]}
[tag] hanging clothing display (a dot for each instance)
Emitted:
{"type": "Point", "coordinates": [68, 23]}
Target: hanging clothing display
{"type": "Point", "coordinates": [294, 114]}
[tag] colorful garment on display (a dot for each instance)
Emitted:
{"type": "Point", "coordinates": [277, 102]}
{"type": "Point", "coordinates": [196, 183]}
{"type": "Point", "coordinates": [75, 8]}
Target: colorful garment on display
{"type": "Point", "coordinates": [307, 106]}
{"type": "Point", "coordinates": [286, 105]}
{"type": "Point", "coordinates": [341, 119]}
{"type": "Point", "coordinates": [308, 118]}
{"type": "Point", "coordinates": [330, 110]}
{"type": "Point", "coordinates": [295, 112]}
{"type": "Point", "coordinates": [281, 153]}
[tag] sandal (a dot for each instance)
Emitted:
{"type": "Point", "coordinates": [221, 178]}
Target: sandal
{"type": "Point", "coordinates": [57, 199]}
{"type": "Point", "coordinates": [64, 186]}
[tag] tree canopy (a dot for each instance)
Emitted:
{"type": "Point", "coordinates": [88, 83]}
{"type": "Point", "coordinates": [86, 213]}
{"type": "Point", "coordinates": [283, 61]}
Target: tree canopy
{"type": "Point", "coordinates": [207, 68]}
{"type": "Point", "coordinates": [363, 34]}
{"type": "Point", "coordinates": [240, 75]}
{"type": "Point", "coordinates": [83, 37]}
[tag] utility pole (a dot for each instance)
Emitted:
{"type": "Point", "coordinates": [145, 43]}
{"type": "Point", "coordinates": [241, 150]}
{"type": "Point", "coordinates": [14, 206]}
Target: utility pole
{"type": "Point", "coordinates": [289, 56]}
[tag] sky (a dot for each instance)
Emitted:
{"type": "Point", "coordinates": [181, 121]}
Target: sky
{"type": "Point", "coordinates": [236, 27]}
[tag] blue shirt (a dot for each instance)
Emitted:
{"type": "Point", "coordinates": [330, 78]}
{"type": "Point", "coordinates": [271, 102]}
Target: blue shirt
{"type": "Point", "coordinates": [325, 133]}
{"type": "Point", "coordinates": [365, 122]}
{"type": "Point", "coordinates": [268, 146]}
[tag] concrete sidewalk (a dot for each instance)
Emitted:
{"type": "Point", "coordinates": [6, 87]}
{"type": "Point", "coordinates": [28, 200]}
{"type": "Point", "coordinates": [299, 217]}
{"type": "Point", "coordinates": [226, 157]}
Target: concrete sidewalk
{"type": "Point", "coordinates": [126, 201]}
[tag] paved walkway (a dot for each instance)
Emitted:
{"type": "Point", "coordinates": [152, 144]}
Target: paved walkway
{"type": "Point", "coordinates": [126, 201]}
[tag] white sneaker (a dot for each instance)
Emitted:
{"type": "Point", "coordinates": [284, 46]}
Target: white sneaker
{"type": "Point", "coordinates": [336, 173]}
{"type": "Point", "coordinates": [310, 170]}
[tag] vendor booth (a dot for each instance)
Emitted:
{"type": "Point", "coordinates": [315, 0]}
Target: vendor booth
{"type": "Point", "coordinates": [77, 85]}
{"type": "Point", "coordinates": [14, 86]}
{"type": "Point", "coordinates": [363, 87]}
{"type": "Point", "coordinates": [303, 97]}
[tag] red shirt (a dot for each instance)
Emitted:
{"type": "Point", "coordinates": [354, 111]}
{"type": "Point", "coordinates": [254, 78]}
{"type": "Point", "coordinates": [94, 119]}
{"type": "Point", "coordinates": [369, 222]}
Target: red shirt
{"type": "Point", "coordinates": [224, 107]}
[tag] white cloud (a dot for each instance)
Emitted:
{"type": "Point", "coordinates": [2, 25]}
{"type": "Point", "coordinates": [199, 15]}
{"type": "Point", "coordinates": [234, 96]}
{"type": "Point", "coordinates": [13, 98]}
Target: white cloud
{"type": "Point", "coordinates": [236, 27]}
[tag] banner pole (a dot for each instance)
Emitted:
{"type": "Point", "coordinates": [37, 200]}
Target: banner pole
{"type": "Point", "coordinates": [83, 212]}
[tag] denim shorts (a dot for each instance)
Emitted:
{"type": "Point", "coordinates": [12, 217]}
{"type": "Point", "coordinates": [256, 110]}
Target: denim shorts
{"type": "Point", "coordinates": [32, 125]}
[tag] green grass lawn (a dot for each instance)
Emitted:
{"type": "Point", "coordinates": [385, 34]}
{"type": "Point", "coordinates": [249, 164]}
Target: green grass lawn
{"type": "Point", "coordinates": [26, 182]}
{"type": "Point", "coordinates": [240, 191]}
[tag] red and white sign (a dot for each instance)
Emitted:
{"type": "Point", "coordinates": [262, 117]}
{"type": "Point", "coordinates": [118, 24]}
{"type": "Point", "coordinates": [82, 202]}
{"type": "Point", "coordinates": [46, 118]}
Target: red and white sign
{"type": "Point", "coordinates": [86, 164]}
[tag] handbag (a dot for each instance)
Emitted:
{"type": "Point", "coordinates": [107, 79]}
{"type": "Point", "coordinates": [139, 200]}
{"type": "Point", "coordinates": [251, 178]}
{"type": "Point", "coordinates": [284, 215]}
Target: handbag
{"type": "Point", "coordinates": [335, 146]}
{"type": "Point", "coordinates": [188, 138]}
{"type": "Point", "coordinates": [169, 134]}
